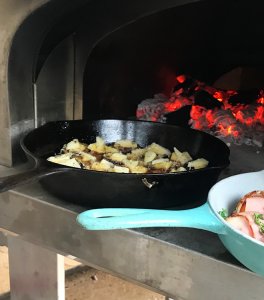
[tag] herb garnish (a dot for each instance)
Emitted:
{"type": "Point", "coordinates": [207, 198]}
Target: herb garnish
{"type": "Point", "coordinates": [259, 220]}
{"type": "Point", "coordinates": [223, 213]}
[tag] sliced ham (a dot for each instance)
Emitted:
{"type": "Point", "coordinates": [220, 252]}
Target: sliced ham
{"type": "Point", "coordinates": [255, 204]}
{"type": "Point", "coordinates": [254, 227]}
{"type": "Point", "coordinates": [241, 223]}
{"type": "Point", "coordinates": [243, 218]}
{"type": "Point", "coordinates": [253, 201]}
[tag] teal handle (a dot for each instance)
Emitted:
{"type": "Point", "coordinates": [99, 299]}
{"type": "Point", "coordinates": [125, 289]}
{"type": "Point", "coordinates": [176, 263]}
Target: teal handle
{"type": "Point", "coordinates": [201, 217]}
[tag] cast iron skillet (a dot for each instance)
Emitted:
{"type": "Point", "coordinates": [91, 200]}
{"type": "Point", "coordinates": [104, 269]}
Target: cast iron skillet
{"type": "Point", "coordinates": [101, 189]}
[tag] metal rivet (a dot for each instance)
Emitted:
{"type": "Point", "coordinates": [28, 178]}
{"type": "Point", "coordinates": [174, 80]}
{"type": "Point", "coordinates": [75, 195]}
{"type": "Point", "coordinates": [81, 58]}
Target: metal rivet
{"type": "Point", "coordinates": [149, 184]}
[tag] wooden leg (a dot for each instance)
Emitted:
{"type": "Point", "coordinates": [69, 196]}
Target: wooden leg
{"type": "Point", "coordinates": [35, 273]}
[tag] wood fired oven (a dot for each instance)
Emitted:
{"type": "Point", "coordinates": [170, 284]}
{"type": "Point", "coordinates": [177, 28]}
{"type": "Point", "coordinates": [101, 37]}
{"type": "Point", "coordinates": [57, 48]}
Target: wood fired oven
{"type": "Point", "coordinates": [93, 59]}
{"type": "Point", "coordinates": [87, 59]}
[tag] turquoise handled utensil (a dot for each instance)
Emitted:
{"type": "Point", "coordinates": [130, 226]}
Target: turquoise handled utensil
{"type": "Point", "coordinates": [201, 217]}
{"type": "Point", "coordinates": [223, 195]}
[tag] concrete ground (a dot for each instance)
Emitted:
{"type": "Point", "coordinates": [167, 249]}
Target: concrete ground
{"type": "Point", "coordinates": [85, 283]}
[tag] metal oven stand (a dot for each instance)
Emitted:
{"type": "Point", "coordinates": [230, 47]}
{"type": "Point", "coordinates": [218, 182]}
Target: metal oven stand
{"type": "Point", "coordinates": [184, 264]}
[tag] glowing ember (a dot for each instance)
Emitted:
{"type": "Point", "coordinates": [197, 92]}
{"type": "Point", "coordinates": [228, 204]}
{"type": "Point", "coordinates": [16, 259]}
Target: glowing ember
{"type": "Point", "coordinates": [260, 100]}
{"type": "Point", "coordinates": [218, 95]}
{"type": "Point", "coordinates": [181, 78]}
{"type": "Point", "coordinates": [239, 123]}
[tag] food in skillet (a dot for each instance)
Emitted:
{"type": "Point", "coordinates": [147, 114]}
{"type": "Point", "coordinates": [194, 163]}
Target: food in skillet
{"type": "Point", "coordinates": [125, 156]}
{"type": "Point", "coordinates": [248, 215]}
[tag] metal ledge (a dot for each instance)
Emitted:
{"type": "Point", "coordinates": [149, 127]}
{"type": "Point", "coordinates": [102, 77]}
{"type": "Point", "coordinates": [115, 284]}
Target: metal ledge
{"type": "Point", "coordinates": [181, 263]}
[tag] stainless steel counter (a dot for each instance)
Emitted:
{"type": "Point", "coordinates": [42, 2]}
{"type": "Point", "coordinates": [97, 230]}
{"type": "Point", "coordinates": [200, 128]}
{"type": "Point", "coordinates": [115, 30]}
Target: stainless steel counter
{"type": "Point", "coordinates": [181, 263]}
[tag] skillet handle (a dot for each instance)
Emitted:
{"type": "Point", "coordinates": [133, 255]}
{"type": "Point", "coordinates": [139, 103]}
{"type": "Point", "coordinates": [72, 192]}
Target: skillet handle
{"type": "Point", "coordinates": [9, 182]}
{"type": "Point", "coordinates": [201, 217]}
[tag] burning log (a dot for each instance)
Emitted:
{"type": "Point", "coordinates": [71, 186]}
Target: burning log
{"type": "Point", "coordinates": [179, 117]}
{"type": "Point", "coordinates": [203, 98]}
{"type": "Point", "coordinates": [186, 85]}
{"type": "Point", "coordinates": [244, 97]}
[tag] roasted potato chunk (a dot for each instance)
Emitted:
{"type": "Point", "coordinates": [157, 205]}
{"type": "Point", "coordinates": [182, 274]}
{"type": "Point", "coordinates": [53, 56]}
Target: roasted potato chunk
{"type": "Point", "coordinates": [198, 163]}
{"type": "Point", "coordinates": [149, 157]}
{"type": "Point", "coordinates": [159, 150]}
{"type": "Point", "coordinates": [136, 154]}
{"type": "Point", "coordinates": [118, 157]}
{"type": "Point", "coordinates": [75, 146]}
{"type": "Point", "coordinates": [98, 146]}
{"type": "Point", "coordinates": [65, 159]}
{"type": "Point", "coordinates": [119, 169]}
{"type": "Point", "coordinates": [161, 164]}
{"type": "Point", "coordinates": [181, 157]}
{"type": "Point", "coordinates": [125, 144]}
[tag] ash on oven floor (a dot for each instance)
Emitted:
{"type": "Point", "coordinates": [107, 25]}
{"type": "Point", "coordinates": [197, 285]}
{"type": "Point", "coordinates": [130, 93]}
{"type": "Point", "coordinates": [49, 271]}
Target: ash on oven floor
{"type": "Point", "coordinates": [84, 283]}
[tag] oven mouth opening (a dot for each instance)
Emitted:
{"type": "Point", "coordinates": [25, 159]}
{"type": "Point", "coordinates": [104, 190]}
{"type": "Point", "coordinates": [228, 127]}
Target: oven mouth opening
{"type": "Point", "coordinates": [183, 66]}
{"type": "Point", "coordinates": [105, 65]}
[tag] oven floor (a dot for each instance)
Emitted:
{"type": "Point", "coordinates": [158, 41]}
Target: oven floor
{"type": "Point", "coordinates": [84, 283]}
